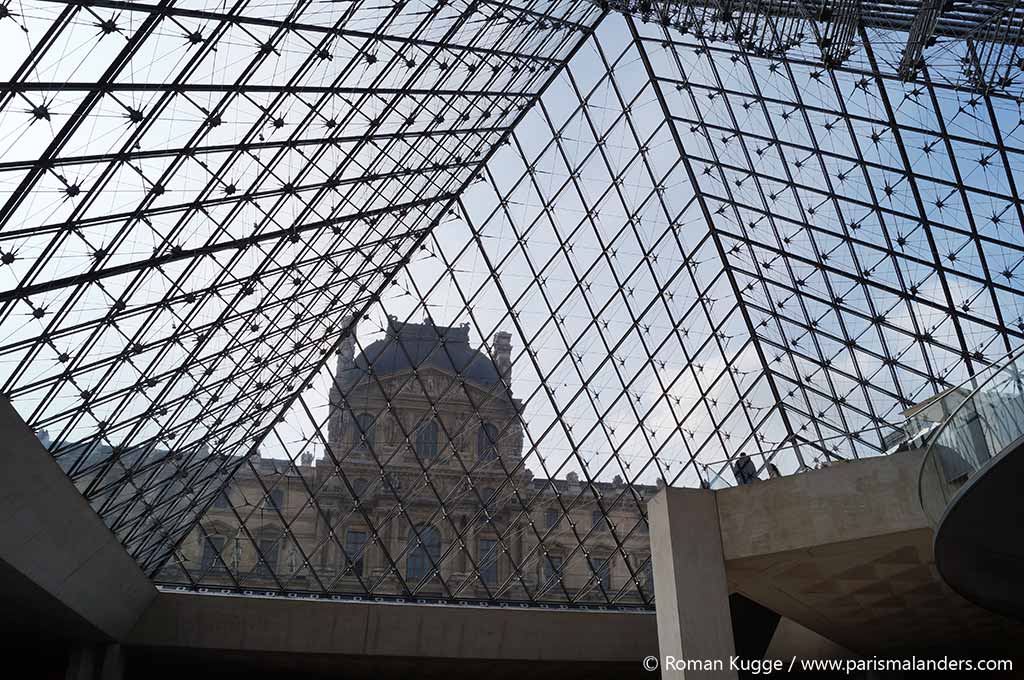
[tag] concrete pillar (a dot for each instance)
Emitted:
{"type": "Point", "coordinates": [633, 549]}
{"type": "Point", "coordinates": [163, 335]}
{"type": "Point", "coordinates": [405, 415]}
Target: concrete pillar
{"type": "Point", "coordinates": [690, 586]}
{"type": "Point", "coordinates": [95, 662]}
{"type": "Point", "coordinates": [82, 662]}
{"type": "Point", "coordinates": [113, 663]}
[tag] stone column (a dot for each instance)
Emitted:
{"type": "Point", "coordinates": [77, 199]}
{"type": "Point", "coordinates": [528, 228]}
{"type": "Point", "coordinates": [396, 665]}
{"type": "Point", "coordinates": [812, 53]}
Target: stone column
{"type": "Point", "coordinates": [82, 662]}
{"type": "Point", "coordinates": [694, 624]}
{"type": "Point", "coordinates": [113, 663]}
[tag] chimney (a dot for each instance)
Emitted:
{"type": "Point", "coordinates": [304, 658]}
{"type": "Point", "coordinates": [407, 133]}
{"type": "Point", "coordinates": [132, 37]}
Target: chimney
{"type": "Point", "coordinates": [503, 355]}
{"type": "Point", "coordinates": [346, 361]}
{"type": "Point", "coordinates": [347, 349]}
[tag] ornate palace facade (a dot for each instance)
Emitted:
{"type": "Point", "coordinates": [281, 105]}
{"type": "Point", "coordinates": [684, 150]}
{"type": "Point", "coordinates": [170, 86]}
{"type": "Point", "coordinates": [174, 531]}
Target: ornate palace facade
{"type": "Point", "coordinates": [417, 418]}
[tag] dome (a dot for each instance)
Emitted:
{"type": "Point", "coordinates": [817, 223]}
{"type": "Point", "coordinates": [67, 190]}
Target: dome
{"type": "Point", "coordinates": [414, 345]}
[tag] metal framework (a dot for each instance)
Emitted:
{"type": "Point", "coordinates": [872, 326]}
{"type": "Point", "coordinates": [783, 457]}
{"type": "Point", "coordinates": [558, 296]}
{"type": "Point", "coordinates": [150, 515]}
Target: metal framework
{"type": "Point", "coordinates": [701, 252]}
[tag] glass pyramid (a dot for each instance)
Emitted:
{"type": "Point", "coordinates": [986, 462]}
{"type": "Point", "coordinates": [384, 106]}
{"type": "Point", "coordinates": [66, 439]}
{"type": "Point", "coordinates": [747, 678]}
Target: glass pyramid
{"type": "Point", "coordinates": [423, 301]}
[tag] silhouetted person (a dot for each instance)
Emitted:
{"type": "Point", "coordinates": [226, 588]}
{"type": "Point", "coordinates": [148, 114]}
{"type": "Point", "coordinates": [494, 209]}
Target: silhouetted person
{"type": "Point", "coordinates": [744, 469]}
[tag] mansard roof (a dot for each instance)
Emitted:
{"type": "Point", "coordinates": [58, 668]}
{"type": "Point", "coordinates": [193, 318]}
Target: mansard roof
{"type": "Point", "coordinates": [419, 345]}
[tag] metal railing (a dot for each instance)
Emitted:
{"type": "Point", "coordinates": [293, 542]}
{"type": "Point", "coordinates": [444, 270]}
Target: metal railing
{"type": "Point", "coordinates": [977, 421]}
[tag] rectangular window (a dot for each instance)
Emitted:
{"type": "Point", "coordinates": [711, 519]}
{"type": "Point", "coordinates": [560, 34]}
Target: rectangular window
{"type": "Point", "coordinates": [597, 519]}
{"type": "Point", "coordinates": [426, 440]}
{"type": "Point", "coordinates": [487, 442]}
{"type": "Point", "coordinates": [275, 500]}
{"type": "Point", "coordinates": [601, 565]}
{"type": "Point", "coordinates": [552, 517]}
{"type": "Point", "coordinates": [424, 553]}
{"type": "Point", "coordinates": [267, 563]}
{"type": "Point", "coordinates": [488, 561]}
{"type": "Point", "coordinates": [213, 548]}
{"type": "Point", "coordinates": [552, 567]}
{"type": "Point", "coordinates": [354, 543]}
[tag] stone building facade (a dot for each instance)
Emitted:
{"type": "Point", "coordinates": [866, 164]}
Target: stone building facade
{"type": "Point", "coordinates": [423, 483]}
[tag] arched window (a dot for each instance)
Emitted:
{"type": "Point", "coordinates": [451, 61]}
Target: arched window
{"type": "Point", "coordinates": [487, 442]}
{"type": "Point", "coordinates": [421, 553]}
{"type": "Point", "coordinates": [426, 440]}
{"type": "Point", "coordinates": [364, 433]}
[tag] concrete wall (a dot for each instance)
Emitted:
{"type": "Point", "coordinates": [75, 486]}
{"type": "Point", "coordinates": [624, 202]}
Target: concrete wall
{"type": "Point", "coordinates": [66, 567]}
{"type": "Point", "coordinates": [841, 503]}
{"type": "Point", "coordinates": [197, 621]}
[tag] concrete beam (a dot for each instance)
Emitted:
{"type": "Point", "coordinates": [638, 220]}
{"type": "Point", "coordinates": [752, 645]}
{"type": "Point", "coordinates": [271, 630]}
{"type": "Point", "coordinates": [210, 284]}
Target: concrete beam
{"type": "Point", "coordinates": [65, 568]}
{"type": "Point", "coordinates": [690, 584]}
{"type": "Point", "coordinates": [311, 627]}
{"type": "Point", "coordinates": [793, 640]}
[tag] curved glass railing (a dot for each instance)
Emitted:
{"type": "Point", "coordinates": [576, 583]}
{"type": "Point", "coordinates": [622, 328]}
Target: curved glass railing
{"type": "Point", "coordinates": [971, 424]}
